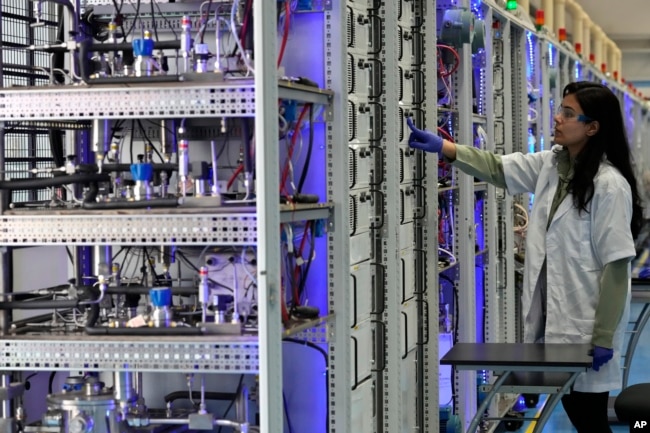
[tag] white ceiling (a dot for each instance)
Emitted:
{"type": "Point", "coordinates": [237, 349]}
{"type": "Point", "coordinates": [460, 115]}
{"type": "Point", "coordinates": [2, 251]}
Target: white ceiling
{"type": "Point", "coordinates": [626, 22]}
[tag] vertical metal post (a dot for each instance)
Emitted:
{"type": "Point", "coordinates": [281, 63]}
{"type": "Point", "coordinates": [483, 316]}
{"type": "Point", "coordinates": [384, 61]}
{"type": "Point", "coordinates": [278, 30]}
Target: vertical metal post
{"type": "Point", "coordinates": [339, 240]}
{"type": "Point", "coordinates": [428, 362]}
{"type": "Point", "coordinates": [5, 197]}
{"type": "Point", "coordinates": [390, 231]}
{"type": "Point", "coordinates": [465, 237]}
{"type": "Point", "coordinates": [268, 219]}
{"type": "Point", "coordinates": [490, 226]}
{"type": "Point", "coordinates": [544, 115]}
{"type": "Point", "coordinates": [519, 113]}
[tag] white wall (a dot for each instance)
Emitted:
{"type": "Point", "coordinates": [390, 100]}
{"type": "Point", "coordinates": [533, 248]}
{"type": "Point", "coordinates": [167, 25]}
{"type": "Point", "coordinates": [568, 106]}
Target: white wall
{"type": "Point", "coordinates": [636, 67]}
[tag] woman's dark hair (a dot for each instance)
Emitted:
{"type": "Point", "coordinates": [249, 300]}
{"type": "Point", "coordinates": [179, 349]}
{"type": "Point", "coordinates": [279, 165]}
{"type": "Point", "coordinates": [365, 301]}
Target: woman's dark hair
{"type": "Point", "coordinates": [600, 104]}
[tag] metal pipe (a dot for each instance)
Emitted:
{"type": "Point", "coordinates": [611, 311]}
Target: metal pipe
{"type": "Point", "coordinates": [6, 404]}
{"type": "Point", "coordinates": [202, 403]}
{"type": "Point", "coordinates": [586, 26]}
{"type": "Point", "coordinates": [241, 405]}
{"type": "Point", "coordinates": [525, 5]}
{"type": "Point", "coordinates": [559, 16]}
{"type": "Point", "coordinates": [597, 35]}
{"type": "Point", "coordinates": [242, 427]}
{"type": "Point", "coordinates": [547, 7]}
{"type": "Point", "coordinates": [217, 56]}
{"type": "Point", "coordinates": [102, 255]}
{"type": "Point", "coordinates": [139, 384]}
{"type": "Point", "coordinates": [578, 20]}
{"type": "Point", "coordinates": [123, 387]}
{"type": "Point", "coordinates": [77, 265]}
{"type": "Point", "coordinates": [169, 421]}
{"type": "Point", "coordinates": [213, 157]}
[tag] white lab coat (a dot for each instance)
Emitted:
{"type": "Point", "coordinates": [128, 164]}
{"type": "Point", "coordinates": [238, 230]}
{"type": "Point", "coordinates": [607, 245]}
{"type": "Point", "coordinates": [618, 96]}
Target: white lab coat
{"type": "Point", "coordinates": [576, 247]}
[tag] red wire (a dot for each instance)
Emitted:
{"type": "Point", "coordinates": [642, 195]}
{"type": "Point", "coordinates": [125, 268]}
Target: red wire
{"type": "Point", "coordinates": [445, 134]}
{"type": "Point", "coordinates": [296, 269]}
{"type": "Point", "coordinates": [455, 53]}
{"type": "Point", "coordinates": [294, 138]}
{"type": "Point", "coordinates": [234, 176]}
{"type": "Point", "coordinates": [285, 35]}
{"type": "Point", "coordinates": [242, 33]}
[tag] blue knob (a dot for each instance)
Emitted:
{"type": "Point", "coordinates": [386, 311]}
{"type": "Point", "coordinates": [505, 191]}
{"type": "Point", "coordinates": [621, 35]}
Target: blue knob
{"type": "Point", "coordinates": [142, 47]}
{"type": "Point", "coordinates": [161, 297]}
{"type": "Point", "coordinates": [142, 171]}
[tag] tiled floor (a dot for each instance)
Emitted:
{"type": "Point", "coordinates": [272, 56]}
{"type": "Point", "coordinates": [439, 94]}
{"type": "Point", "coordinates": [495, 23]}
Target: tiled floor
{"type": "Point", "coordinates": [639, 372]}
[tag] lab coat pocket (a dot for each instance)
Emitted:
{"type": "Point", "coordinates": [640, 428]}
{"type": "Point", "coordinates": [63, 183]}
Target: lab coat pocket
{"type": "Point", "coordinates": [572, 330]}
{"type": "Point", "coordinates": [583, 329]}
{"type": "Point", "coordinates": [587, 259]}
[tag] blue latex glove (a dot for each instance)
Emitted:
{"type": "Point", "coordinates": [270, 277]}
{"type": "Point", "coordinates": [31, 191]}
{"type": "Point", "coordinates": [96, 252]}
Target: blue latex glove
{"type": "Point", "coordinates": [423, 140]}
{"type": "Point", "coordinates": [601, 356]}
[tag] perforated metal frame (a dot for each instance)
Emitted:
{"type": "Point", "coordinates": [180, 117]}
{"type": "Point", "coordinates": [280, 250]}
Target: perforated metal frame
{"type": "Point", "coordinates": [236, 355]}
{"type": "Point", "coordinates": [317, 335]}
{"type": "Point", "coordinates": [168, 100]}
{"type": "Point", "coordinates": [231, 229]}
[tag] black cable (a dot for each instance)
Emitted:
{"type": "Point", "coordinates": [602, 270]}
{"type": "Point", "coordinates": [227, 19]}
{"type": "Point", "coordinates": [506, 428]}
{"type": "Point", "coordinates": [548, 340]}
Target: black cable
{"type": "Point", "coordinates": [305, 166]}
{"type": "Point", "coordinates": [153, 269]}
{"type": "Point", "coordinates": [136, 16]}
{"type": "Point", "coordinates": [134, 289]}
{"type": "Point", "coordinates": [138, 204]}
{"type": "Point", "coordinates": [126, 254]}
{"type": "Point", "coordinates": [286, 412]}
{"type": "Point", "coordinates": [46, 182]}
{"type": "Point", "coordinates": [248, 154]}
{"type": "Point", "coordinates": [118, 15]}
{"type": "Point", "coordinates": [326, 360]}
{"type": "Point", "coordinates": [232, 402]}
{"type": "Point", "coordinates": [67, 250]}
{"type": "Point", "coordinates": [55, 139]}
{"type": "Point", "coordinates": [196, 395]}
{"type": "Point", "coordinates": [117, 254]}
{"type": "Point", "coordinates": [207, 18]}
{"type": "Point", "coordinates": [169, 24]}
{"type": "Point", "coordinates": [30, 376]}
{"type": "Point", "coordinates": [312, 247]}
{"type": "Point", "coordinates": [39, 305]}
{"type": "Point", "coordinates": [50, 382]}
{"type": "Point", "coordinates": [146, 137]}
{"type": "Point", "coordinates": [58, 59]}
{"type": "Point", "coordinates": [153, 20]}
{"type": "Point", "coordinates": [131, 140]}
{"type": "Point", "coordinates": [143, 269]}
{"type": "Point", "coordinates": [144, 331]}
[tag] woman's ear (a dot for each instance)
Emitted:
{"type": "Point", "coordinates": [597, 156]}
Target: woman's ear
{"type": "Point", "coordinates": [592, 128]}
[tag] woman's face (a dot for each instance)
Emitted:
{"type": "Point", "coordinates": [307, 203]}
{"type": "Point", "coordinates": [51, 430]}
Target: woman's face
{"type": "Point", "coordinates": [572, 127]}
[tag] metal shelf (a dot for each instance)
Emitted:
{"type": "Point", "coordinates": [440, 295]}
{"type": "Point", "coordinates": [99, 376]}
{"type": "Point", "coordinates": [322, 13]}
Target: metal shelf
{"type": "Point", "coordinates": [209, 354]}
{"type": "Point", "coordinates": [187, 99]}
{"type": "Point", "coordinates": [224, 225]}
{"type": "Point", "coordinates": [213, 354]}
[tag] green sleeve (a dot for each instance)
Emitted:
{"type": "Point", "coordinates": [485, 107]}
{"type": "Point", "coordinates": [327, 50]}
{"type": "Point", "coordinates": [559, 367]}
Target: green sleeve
{"type": "Point", "coordinates": [482, 164]}
{"type": "Point", "coordinates": [611, 304]}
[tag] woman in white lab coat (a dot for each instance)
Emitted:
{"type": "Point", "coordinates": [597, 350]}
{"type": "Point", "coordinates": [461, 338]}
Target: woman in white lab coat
{"type": "Point", "coordinates": [579, 242]}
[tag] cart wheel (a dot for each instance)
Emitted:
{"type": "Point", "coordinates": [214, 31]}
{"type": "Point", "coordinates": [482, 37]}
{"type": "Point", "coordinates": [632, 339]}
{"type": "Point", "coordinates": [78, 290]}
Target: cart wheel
{"type": "Point", "coordinates": [531, 400]}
